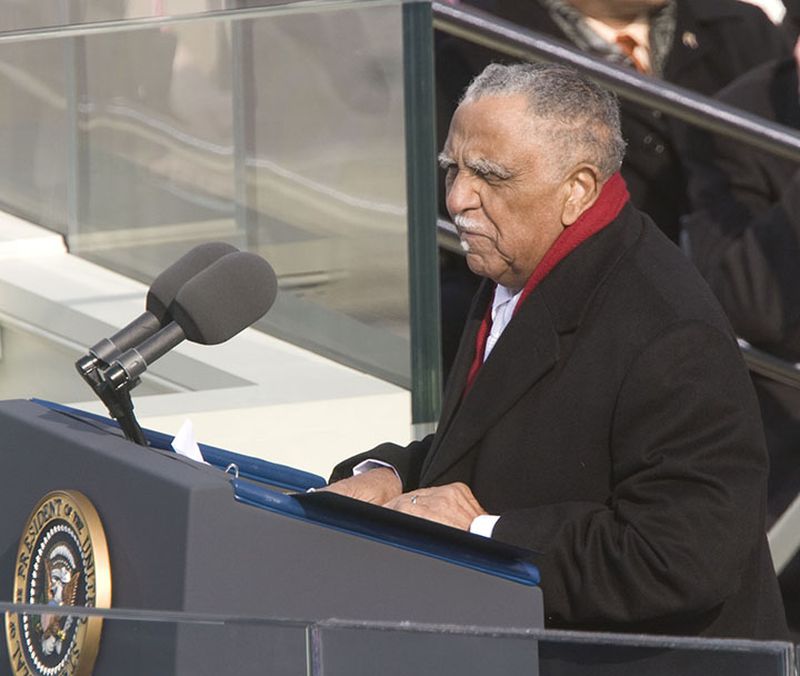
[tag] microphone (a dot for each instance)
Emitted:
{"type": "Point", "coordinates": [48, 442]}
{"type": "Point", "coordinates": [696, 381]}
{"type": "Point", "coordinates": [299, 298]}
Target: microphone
{"type": "Point", "coordinates": [213, 306]}
{"type": "Point", "coordinates": [159, 297]}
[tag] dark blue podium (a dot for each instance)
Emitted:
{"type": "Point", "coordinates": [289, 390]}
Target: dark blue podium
{"type": "Point", "coordinates": [248, 541]}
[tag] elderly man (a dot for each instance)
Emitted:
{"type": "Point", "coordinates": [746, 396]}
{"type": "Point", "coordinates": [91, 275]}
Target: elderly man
{"type": "Point", "coordinates": [599, 413]}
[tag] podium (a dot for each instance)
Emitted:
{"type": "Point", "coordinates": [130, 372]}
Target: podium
{"type": "Point", "coordinates": [184, 536]}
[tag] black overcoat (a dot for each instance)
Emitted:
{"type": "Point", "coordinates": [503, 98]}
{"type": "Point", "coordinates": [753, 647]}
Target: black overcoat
{"type": "Point", "coordinates": [615, 431]}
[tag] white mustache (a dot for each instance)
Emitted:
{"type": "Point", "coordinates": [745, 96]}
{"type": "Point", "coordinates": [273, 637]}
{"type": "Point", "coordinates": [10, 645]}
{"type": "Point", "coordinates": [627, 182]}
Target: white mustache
{"type": "Point", "coordinates": [464, 223]}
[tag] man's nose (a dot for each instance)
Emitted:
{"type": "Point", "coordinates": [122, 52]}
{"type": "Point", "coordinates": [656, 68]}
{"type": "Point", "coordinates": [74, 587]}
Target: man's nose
{"type": "Point", "coordinates": [462, 194]}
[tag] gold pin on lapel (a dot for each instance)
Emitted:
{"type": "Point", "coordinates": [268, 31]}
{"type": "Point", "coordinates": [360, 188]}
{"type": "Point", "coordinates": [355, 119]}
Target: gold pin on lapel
{"type": "Point", "coordinates": [689, 40]}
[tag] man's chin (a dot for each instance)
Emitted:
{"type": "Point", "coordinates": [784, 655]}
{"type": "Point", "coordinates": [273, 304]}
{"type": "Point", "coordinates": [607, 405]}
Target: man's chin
{"type": "Point", "coordinates": [477, 265]}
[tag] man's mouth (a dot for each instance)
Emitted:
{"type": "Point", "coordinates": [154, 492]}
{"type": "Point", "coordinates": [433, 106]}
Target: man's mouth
{"type": "Point", "coordinates": [467, 228]}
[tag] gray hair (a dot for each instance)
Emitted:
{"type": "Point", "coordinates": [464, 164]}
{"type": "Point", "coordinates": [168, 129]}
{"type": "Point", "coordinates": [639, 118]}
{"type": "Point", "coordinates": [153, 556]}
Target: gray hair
{"type": "Point", "coordinates": [584, 116]}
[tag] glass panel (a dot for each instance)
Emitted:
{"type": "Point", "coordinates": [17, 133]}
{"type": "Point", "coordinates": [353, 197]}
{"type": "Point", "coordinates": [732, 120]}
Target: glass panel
{"type": "Point", "coordinates": [132, 643]}
{"type": "Point", "coordinates": [34, 128]}
{"type": "Point", "coordinates": [354, 650]}
{"type": "Point", "coordinates": [280, 130]}
{"type": "Point", "coordinates": [30, 359]}
{"type": "Point", "coordinates": [21, 15]}
{"type": "Point", "coordinates": [154, 145]}
{"type": "Point", "coordinates": [325, 175]}
{"type": "Point", "coordinates": [173, 642]}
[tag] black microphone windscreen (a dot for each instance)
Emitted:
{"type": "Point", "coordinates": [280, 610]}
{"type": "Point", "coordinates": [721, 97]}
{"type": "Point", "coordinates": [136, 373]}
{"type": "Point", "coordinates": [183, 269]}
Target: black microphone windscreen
{"type": "Point", "coordinates": [225, 298]}
{"type": "Point", "coordinates": [166, 286]}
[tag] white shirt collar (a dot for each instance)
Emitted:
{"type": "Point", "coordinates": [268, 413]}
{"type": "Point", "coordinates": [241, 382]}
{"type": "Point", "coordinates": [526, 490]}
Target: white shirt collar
{"type": "Point", "coordinates": [503, 304]}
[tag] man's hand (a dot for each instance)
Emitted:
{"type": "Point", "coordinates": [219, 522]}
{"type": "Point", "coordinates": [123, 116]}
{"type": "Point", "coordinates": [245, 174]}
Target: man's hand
{"type": "Point", "coordinates": [453, 505]}
{"type": "Point", "coordinates": [377, 486]}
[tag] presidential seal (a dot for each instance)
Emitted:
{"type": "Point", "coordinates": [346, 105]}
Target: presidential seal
{"type": "Point", "coordinates": [62, 561]}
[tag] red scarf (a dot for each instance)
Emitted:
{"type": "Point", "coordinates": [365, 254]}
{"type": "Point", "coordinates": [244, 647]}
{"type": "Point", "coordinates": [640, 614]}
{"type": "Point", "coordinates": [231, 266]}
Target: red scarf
{"type": "Point", "coordinates": [612, 198]}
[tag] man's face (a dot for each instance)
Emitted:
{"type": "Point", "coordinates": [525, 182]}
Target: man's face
{"type": "Point", "coordinates": [502, 191]}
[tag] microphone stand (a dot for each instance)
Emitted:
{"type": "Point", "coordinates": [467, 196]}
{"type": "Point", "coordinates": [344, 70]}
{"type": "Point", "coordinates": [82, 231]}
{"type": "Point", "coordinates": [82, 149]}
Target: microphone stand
{"type": "Point", "coordinates": [115, 395]}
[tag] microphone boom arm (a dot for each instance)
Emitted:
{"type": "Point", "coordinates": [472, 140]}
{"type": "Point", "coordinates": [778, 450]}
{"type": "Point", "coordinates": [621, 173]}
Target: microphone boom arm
{"type": "Point", "coordinates": [117, 381]}
{"type": "Point", "coordinates": [117, 400]}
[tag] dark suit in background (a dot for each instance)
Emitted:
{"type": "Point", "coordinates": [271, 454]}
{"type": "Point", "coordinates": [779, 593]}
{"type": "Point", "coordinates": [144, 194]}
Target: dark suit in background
{"type": "Point", "coordinates": [614, 430]}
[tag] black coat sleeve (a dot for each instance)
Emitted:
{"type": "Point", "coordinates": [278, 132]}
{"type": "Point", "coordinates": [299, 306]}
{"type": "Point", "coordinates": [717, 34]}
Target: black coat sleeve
{"type": "Point", "coordinates": [688, 464]}
{"type": "Point", "coordinates": [407, 460]}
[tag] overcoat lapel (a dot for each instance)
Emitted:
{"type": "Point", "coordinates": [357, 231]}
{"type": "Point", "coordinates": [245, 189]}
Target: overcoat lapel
{"type": "Point", "coordinates": [526, 351]}
{"type": "Point", "coordinates": [464, 355]}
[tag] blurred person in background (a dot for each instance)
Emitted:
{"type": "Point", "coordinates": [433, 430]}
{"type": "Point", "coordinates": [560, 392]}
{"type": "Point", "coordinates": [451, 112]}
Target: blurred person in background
{"type": "Point", "coordinates": [744, 237]}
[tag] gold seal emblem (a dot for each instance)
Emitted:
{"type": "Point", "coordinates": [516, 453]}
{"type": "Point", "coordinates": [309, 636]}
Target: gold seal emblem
{"type": "Point", "coordinates": [62, 560]}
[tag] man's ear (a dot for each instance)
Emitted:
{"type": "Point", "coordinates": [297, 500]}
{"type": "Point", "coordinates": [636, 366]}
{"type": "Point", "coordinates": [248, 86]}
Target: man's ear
{"type": "Point", "coordinates": [582, 188]}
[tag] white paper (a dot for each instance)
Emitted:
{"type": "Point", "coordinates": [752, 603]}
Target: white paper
{"type": "Point", "coordinates": [185, 444]}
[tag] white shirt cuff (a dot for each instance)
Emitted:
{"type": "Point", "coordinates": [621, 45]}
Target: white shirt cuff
{"type": "Point", "coordinates": [367, 465]}
{"type": "Point", "coordinates": [484, 524]}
